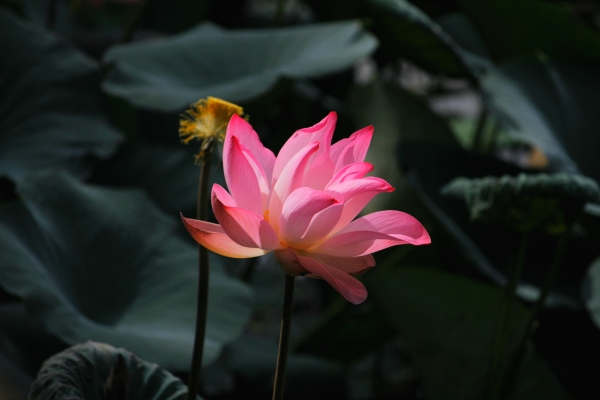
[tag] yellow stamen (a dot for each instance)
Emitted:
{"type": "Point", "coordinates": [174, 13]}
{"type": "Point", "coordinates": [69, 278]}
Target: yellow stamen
{"type": "Point", "coordinates": [266, 215]}
{"type": "Point", "coordinates": [207, 121]}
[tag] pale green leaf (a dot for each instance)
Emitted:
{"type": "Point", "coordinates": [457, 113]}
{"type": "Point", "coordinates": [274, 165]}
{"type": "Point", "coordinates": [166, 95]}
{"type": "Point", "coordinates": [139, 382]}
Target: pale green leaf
{"type": "Point", "coordinates": [237, 65]}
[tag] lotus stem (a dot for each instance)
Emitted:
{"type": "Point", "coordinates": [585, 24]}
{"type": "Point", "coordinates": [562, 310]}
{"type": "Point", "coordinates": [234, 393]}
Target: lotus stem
{"type": "Point", "coordinates": [284, 338]}
{"type": "Point", "coordinates": [204, 269]}
{"type": "Point", "coordinates": [526, 336]}
{"type": "Point", "coordinates": [499, 349]}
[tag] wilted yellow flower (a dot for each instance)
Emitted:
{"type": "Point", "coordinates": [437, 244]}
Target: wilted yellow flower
{"type": "Point", "coordinates": [207, 121]}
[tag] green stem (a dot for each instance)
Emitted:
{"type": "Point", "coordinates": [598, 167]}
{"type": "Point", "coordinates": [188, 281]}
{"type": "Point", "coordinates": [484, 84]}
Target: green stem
{"type": "Point", "coordinates": [284, 338]}
{"type": "Point", "coordinates": [499, 349]}
{"type": "Point", "coordinates": [517, 359]}
{"type": "Point", "coordinates": [203, 266]}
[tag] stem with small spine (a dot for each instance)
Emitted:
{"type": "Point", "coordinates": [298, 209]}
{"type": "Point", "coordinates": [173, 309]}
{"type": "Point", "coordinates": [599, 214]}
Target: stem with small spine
{"type": "Point", "coordinates": [526, 336]}
{"type": "Point", "coordinates": [203, 266]}
{"type": "Point", "coordinates": [284, 338]}
{"type": "Point", "coordinates": [498, 356]}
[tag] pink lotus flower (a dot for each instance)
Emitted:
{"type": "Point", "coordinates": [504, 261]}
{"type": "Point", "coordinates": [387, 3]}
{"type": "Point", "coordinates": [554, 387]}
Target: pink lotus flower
{"type": "Point", "coordinates": [302, 204]}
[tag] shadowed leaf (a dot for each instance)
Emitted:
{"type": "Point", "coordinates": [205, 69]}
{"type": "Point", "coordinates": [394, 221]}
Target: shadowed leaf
{"type": "Point", "coordinates": [407, 32]}
{"type": "Point", "coordinates": [107, 265]}
{"type": "Point", "coordinates": [50, 105]}
{"type": "Point", "coordinates": [449, 324]}
{"type": "Point", "coordinates": [517, 28]}
{"type": "Point", "coordinates": [551, 104]}
{"type": "Point", "coordinates": [80, 373]}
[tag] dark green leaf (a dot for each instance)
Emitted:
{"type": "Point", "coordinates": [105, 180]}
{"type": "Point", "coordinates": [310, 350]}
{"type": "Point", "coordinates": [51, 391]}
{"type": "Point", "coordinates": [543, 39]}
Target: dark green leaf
{"type": "Point", "coordinates": [36, 11]}
{"type": "Point", "coordinates": [516, 28]}
{"type": "Point", "coordinates": [22, 341]}
{"type": "Point", "coordinates": [170, 74]}
{"type": "Point", "coordinates": [405, 32]}
{"type": "Point", "coordinates": [462, 31]}
{"type": "Point", "coordinates": [478, 250]}
{"type": "Point", "coordinates": [83, 371]}
{"type": "Point", "coordinates": [409, 33]}
{"type": "Point", "coordinates": [167, 174]}
{"type": "Point", "coordinates": [253, 359]}
{"type": "Point", "coordinates": [552, 105]}
{"type": "Point", "coordinates": [397, 117]}
{"type": "Point", "coordinates": [526, 201]}
{"type": "Point", "coordinates": [105, 264]}
{"type": "Point", "coordinates": [176, 15]}
{"type": "Point", "coordinates": [591, 291]}
{"type": "Point", "coordinates": [449, 324]}
{"type": "Point", "coordinates": [347, 332]}
{"type": "Point", "coordinates": [14, 383]}
{"type": "Point", "coordinates": [460, 28]}
{"type": "Point", "coordinates": [50, 105]}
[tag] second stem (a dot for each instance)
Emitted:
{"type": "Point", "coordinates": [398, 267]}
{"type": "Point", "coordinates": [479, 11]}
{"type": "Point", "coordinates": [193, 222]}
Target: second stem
{"type": "Point", "coordinates": [284, 338]}
{"type": "Point", "coordinates": [204, 269]}
{"type": "Point", "coordinates": [499, 349]}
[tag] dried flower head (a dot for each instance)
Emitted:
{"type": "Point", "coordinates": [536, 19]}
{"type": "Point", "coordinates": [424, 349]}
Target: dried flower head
{"type": "Point", "coordinates": [207, 121]}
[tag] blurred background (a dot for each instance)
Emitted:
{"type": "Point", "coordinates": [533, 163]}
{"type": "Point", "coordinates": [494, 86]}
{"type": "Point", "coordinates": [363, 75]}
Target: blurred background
{"type": "Point", "coordinates": [93, 177]}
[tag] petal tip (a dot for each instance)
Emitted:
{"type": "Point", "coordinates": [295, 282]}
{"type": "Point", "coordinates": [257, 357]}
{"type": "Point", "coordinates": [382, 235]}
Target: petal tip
{"type": "Point", "coordinates": [425, 238]}
{"type": "Point", "coordinates": [236, 117]}
{"type": "Point", "coordinates": [184, 220]}
{"type": "Point", "coordinates": [358, 299]}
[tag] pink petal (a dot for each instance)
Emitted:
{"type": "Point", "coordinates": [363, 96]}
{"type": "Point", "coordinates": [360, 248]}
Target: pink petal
{"type": "Point", "coordinates": [356, 194]}
{"type": "Point", "coordinates": [242, 175]}
{"type": "Point", "coordinates": [374, 232]}
{"type": "Point", "coordinates": [350, 172]}
{"type": "Point", "coordinates": [322, 133]}
{"type": "Point", "coordinates": [349, 265]}
{"type": "Point", "coordinates": [353, 149]}
{"type": "Point", "coordinates": [350, 188]}
{"type": "Point", "coordinates": [241, 129]}
{"type": "Point", "coordinates": [214, 238]}
{"type": "Point", "coordinates": [243, 226]}
{"type": "Point", "coordinates": [290, 179]}
{"type": "Point", "coordinates": [263, 182]}
{"type": "Point", "coordinates": [289, 262]}
{"type": "Point", "coordinates": [346, 285]}
{"type": "Point", "coordinates": [307, 216]}
{"type": "Point", "coordinates": [319, 169]}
